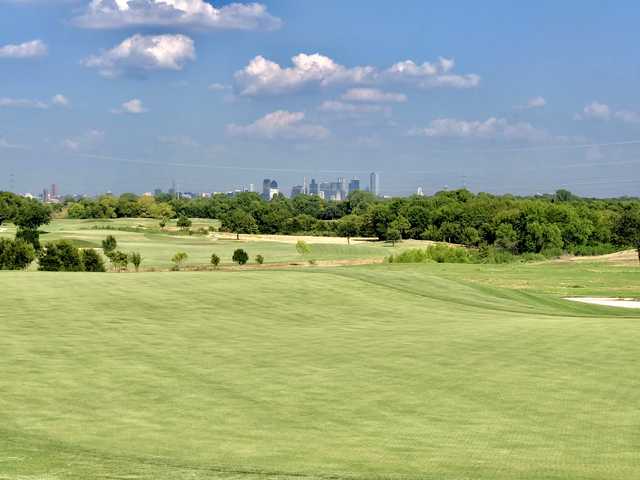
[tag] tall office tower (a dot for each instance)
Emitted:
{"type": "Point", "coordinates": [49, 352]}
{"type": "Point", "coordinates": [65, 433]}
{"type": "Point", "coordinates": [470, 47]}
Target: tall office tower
{"type": "Point", "coordinates": [305, 186]}
{"type": "Point", "coordinates": [354, 185]}
{"type": "Point", "coordinates": [374, 183]}
{"type": "Point", "coordinates": [297, 190]}
{"type": "Point", "coordinates": [45, 195]}
{"type": "Point", "coordinates": [420, 193]}
{"type": "Point", "coordinates": [252, 187]}
{"type": "Point", "coordinates": [266, 186]}
{"type": "Point", "coordinates": [313, 187]}
{"type": "Point", "coordinates": [343, 187]}
{"type": "Point", "coordinates": [273, 189]}
{"type": "Point", "coordinates": [54, 190]}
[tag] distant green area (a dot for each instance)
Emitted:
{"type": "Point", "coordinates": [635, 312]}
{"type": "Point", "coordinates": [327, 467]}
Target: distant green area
{"type": "Point", "coordinates": [409, 371]}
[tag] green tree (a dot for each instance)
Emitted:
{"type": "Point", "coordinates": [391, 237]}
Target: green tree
{"type": "Point", "coordinates": [349, 226]}
{"type": "Point", "coordinates": [184, 223]}
{"type": "Point", "coordinates": [60, 256]}
{"type": "Point", "coordinates": [259, 259]}
{"type": "Point", "coordinates": [178, 259]}
{"type": "Point", "coordinates": [627, 228]}
{"type": "Point", "coordinates": [136, 259]}
{"type": "Point", "coordinates": [215, 260]}
{"type": "Point", "coordinates": [109, 245]}
{"type": "Point", "coordinates": [506, 237]}
{"type": "Point", "coordinates": [240, 256]}
{"type": "Point", "coordinates": [15, 254]}
{"type": "Point", "coordinates": [91, 260]}
{"type": "Point", "coordinates": [29, 216]}
{"type": "Point", "coordinates": [303, 248]}
{"type": "Point", "coordinates": [239, 221]}
{"type": "Point", "coordinates": [393, 235]}
{"type": "Point", "coordinates": [119, 260]}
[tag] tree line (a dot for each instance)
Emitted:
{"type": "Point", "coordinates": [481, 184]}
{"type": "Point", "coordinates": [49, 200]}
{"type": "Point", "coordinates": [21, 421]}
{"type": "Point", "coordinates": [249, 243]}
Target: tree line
{"type": "Point", "coordinates": [547, 224]}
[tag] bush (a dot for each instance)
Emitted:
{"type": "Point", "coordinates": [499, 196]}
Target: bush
{"type": "Point", "coordinates": [215, 260]}
{"type": "Point", "coordinates": [184, 222]}
{"type": "Point", "coordinates": [16, 254]}
{"type": "Point", "coordinates": [259, 259]}
{"type": "Point", "coordinates": [303, 247]}
{"type": "Point", "coordinates": [109, 244]}
{"type": "Point", "coordinates": [414, 255]}
{"type": "Point", "coordinates": [119, 260]}
{"type": "Point", "coordinates": [240, 256]}
{"type": "Point", "coordinates": [91, 261]}
{"type": "Point", "coordinates": [434, 253]}
{"type": "Point", "coordinates": [29, 235]}
{"type": "Point", "coordinates": [178, 259]}
{"type": "Point", "coordinates": [60, 256]}
{"type": "Point", "coordinates": [491, 254]}
{"type": "Point", "coordinates": [136, 259]}
{"type": "Point", "coordinates": [592, 250]}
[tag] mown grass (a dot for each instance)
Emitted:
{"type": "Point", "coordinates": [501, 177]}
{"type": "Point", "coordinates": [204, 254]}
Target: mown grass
{"type": "Point", "coordinates": [430, 371]}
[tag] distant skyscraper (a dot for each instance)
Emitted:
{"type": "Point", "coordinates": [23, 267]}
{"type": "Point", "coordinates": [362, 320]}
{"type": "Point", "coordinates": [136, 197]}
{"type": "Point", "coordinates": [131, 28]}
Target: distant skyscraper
{"type": "Point", "coordinates": [374, 183]}
{"type": "Point", "coordinates": [266, 186]}
{"type": "Point", "coordinates": [313, 187]}
{"type": "Point", "coordinates": [420, 193]}
{"type": "Point", "coordinates": [354, 185]}
{"type": "Point", "coordinates": [273, 189]}
{"type": "Point", "coordinates": [54, 190]}
{"type": "Point", "coordinates": [252, 187]}
{"type": "Point", "coordinates": [305, 186]}
{"type": "Point", "coordinates": [45, 195]}
{"type": "Point", "coordinates": [297, 190]}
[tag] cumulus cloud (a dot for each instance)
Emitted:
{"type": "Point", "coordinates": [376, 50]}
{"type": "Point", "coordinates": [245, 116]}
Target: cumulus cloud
{"type": "Point", "coordinates": [336, 106]}
{"type": "Point", "coordinates": [133, 106]}
{"type": "Point", "coordinates": [107, 14]}
{"type": "Point", "coordinates": [83, 141]}
{"type": "Point", "coordinates": [34, 48]}
{"type": "Point", "coordinates": [373, 95]}
{"type": "Point", "coordinates": [60, 100]}
{"type": "Point", "coordinates": [263, 76]}
{"type": "Point", "coordinates": [280, 125]}
{"type": "Point", "coordinates": [491, 128]}
{"type": "Point", "coordinates": [535, 102]}
{"type": "Point", "coordinates": [141, 53]}
{"type": "Point", "coordinates": [602, 111]}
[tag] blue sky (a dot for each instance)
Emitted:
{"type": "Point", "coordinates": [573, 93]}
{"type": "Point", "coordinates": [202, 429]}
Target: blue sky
{"type": "Point", "coordinates": [128, 95]}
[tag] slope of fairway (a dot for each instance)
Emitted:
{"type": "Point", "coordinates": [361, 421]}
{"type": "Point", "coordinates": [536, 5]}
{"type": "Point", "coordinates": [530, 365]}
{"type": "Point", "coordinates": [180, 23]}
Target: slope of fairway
{"type": "Point", "coordinates": [377, 372]}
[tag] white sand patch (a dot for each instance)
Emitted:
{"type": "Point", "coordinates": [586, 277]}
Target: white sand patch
{"type": "Point", "coordinates": [608, 302]}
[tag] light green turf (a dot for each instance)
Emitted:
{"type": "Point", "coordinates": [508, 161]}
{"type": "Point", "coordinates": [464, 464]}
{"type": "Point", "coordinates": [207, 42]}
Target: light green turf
{"type": "Point", "coordinates": [157, 248]}
{"type": "Point", "coordinates": [391, 371]}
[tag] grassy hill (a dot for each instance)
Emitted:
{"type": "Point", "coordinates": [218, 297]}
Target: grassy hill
{"type": "Point", "coordinates": [392, 371]}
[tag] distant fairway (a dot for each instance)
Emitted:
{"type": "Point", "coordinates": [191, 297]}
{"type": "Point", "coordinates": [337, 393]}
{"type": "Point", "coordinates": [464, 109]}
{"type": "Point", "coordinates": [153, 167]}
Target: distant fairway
{"type": "Point", "coordinates": [402, 371]}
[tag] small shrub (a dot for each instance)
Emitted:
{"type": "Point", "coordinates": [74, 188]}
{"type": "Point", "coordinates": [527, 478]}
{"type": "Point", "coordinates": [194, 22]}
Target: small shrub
{"type": "Point", "coordinates": [178, 259]}
{"type": "Point", "coordinates": [119, 260]}
{"type": "Point", "coordinates": [136, 259]}
{"type": "Point", "coordinates": [303, 247]}
{"type": "Point", "coordinates": [109, 244]}
{"type": "Point", "coordinates": [16, 254]}
{"type": "Point", "coordinates": [60, 256]}
{"type": "Point", "coordinates": [92, 261]}
{"type": "Point", "coordinates": [240, 256]}
{"type": "Point", "coordinates": [184, 223]}
{"type": "Point", "coordinates": [215, 260]}
{"type": "Point", "coordinates": [259, 259]}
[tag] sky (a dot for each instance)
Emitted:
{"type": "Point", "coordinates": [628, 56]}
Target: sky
{"type": "Point", "coordinates": [496, 96]}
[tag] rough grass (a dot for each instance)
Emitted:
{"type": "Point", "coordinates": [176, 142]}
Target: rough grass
{"type": "Point", "coordinates": [395, 371]}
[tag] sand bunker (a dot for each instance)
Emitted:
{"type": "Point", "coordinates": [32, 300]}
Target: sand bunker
{"type": "Point", "coordinates": [608, 302]}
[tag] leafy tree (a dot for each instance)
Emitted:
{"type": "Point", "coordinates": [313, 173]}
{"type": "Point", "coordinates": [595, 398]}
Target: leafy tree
{"type": "Point", "coordinates": [259, 259]}
{"type": "Point", "coordinates": [163, 222]}
{"type": "Point", "coordinates": [393, 235]}
{"type": "Point", "coordinates": [29, 216]}
{"type": "Point", "coordinates": [15, 254]}
{"type": "Point", "coordinates": [470, 236]}
{"type": "Point", "coordinates": [184, 222]}
{"type": "Point", "coordinates": [627, 228]}
{"type": "Point", "coordinates": [240, 256]}
{"type": "Point", "coordinates": [109, 245]}
{"type": "Point", "coordinates": [239, 222]}
{"type": "Point", "coordinates": [136, 259]}
{"type": "Point", "coordinates": [91, 260]}
{"type": "Point", "coordinates": [506, 237]}
{"type": "Point", "coordinates": [178, 259]}
{"type": "Point", "coordinates": [77, 210]}
{"type": "Point", "coordinates": [60, 256]}
{"type": "Point", "coordinates": [215, 260]}
{"type": "Point", "coordinates": [349, 226]}
{"type": "Point", "coordinates": [119, 260]}
{"type": "Point", "coordinates": [302, 247]}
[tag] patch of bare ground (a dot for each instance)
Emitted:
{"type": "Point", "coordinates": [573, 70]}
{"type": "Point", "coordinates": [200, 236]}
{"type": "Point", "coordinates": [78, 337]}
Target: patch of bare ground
{"type": "Point", "coordinates": [625, 258]}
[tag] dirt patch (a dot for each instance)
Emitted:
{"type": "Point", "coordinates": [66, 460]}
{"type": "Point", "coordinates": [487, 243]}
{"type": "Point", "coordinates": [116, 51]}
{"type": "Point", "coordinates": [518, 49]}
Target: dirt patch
{"type": "Point", "coordinates": [626, 258]}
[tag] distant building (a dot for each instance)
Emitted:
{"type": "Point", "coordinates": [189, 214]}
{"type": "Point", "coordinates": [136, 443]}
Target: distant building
{"type": "Point", "coordinates": [45, 195]}
{"type": "Point", "coordinates": [54, 190]}
{"type": "Point", "coordinates": [297, 190]}
{"type": "Point", "coordinates": [420, 193]}
{"type": "Point", "coordinates": [313, 187]}
{"type": "Point", "coordinates": [266, 187]}
{"type": "Point", "coordinates": [157, 192]}
{"type": "Point", "coordinates": [354, 185]}
{"type": "Point", "coordinates": [374, 184]}
{"type": "Point", "coordinates": [271, 191]}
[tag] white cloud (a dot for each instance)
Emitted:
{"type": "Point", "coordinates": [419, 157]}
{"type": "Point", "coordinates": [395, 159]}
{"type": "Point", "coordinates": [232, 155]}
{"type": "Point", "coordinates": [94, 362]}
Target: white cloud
{"type": "Point", "coordinates": [22, 103]}
{"type": "Point", "coordinates": [280, 125]}
{"type": "Point", "coordinates": [595, 110]}
{"type": "Point", "coordinates": [60, 100]}
{"type": "Point", "coordinates": [218, 87]}
{"type": "Point", "coordinates": [83, 141]}
{"type": "Point", "coordinates": [133, 106]}
{"type": "Point", "coordinates": [491, 128]}
{"type": "Point", "coordinates": [34, 48]}
{"type": "Point", "coordinates": [335, 106]}
{"type": "Point", "coordinates": [535, 102]}
{"type": "Point", "coordinates": [627, 116]}
{"type": "Point", "coordinates": [373, 95]}
{"type": "Point", "coordinates": [103, 14]}
{"type": "Point", "coordinates": [141, 53]}
{"type": "Point", "coordinates": [263, 76]}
